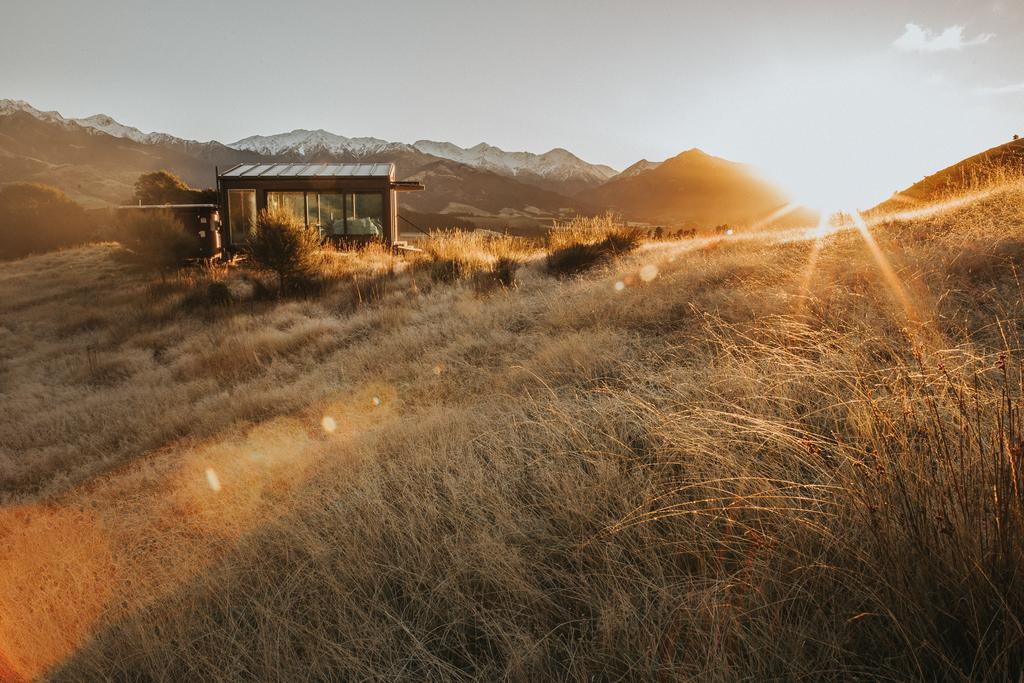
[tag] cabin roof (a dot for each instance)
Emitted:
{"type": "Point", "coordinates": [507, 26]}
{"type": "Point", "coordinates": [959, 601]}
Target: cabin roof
{"type": "Point", "coordinates": [380, 170]}
{"type": "Point", "coordinates": [169, 206]}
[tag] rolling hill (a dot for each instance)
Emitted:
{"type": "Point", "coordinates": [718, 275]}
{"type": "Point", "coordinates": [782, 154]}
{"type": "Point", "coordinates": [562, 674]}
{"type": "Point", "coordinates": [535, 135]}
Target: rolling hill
{"type": "Point", "coordinates": [989, 166]}
{"type": "Point", "coordinates": [690, 189]}
{"type": "Point", "coordinates": [95, 168]}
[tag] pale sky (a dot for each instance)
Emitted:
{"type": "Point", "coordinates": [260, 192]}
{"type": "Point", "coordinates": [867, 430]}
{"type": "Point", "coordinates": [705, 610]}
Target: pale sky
{"type": "Point", "coordinates": [852, 99]}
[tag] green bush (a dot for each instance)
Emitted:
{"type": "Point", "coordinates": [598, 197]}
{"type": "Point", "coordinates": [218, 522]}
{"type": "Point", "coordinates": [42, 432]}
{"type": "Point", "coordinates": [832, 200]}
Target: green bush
{"type": "Point", "coordinates": [36, 218]}
{"type": "Point", "coordinates": [282, 245]}
{"type": "Point", "coordinates": [162, 187]}
{"type": "Point", "coordinates": [155, 239]}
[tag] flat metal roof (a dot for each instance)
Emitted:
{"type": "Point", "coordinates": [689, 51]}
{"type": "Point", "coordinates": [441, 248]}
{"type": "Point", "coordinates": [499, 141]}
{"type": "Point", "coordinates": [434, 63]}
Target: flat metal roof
{"type": "Point", "coordinates": [169, 206]}
{"type": "Point", "coordinates": [381, 170]}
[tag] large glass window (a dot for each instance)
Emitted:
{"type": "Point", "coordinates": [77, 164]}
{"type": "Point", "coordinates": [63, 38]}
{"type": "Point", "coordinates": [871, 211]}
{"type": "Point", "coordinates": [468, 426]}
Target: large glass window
{"type": "Point", "coordinates": [332, 214]}
{"type": "Point", "coordinates": [365, 214]}
{"type": "Point", "coordinates": [292, 202]}
{"type": "Point", "coordinates": [241, 214]}
{"type": "Point", "coordinates": [312, 211]}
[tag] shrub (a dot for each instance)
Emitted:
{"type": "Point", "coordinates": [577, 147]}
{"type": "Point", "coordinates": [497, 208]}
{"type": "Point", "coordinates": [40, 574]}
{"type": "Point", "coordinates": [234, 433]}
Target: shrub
{"type": "Point", "coordinates": [282, 245]}
{"type": "Point", "coordinates": [161, 187]}
{"type": "Point", "coordinates": [155, 239]}
{"type": "Point", "coordinates": [36, 218]}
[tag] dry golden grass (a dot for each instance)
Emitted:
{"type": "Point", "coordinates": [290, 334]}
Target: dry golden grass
{"type": "Point", "coordinates": [722, 458]}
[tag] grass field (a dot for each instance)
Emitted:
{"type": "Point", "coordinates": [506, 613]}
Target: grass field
{"type": "Point", "coordinates": [763, 456]}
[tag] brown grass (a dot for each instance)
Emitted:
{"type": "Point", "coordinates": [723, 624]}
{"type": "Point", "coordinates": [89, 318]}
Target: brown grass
{"type": "Point", "coordinates": [717, 459]}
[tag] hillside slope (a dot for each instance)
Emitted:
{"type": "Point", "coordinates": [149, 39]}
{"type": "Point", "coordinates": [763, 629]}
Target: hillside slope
{"type": "Point", "coordinates": [992, 165]}
{"type": "Point", "coordinates": [94, 168]}
{"type": "Point", "coordinates": [723, 458]}
{"type": "Point", "coordinates": [690, 189]}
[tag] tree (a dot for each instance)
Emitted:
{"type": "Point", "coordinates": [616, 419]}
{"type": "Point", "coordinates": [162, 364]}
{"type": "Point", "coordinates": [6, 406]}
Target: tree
{"type": "Point", "coordinates": [281, 244]}
{"type": "Point", "coordinates": [35, 218]}
{"type": "Point", "coordinates": [163, 187]}
{"type": "Point", "coordinates": [1016, 137]}
{"type": "Point", "coordinates": [155, 239]}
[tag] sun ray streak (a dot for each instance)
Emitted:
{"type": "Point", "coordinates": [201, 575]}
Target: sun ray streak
{"type": "Point", "coordinates": [812, 263]}
{"type": "Point", "coordinates": [775, 215]}
{"type": "Point", "coordinates": [892, 280]}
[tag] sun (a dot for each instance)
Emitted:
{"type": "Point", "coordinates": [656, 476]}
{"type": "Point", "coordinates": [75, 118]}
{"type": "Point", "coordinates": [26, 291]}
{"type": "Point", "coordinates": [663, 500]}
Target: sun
{"type": "Point", "coordinates": [830, 189]}
{"type": "Point", "coordinates": [831, 175]}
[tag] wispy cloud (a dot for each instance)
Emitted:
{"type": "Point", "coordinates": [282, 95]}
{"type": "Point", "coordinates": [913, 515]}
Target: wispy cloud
{"type": "Point", "coordinates": [916, 38]}
{"type": "Point", "coordinates": [1004, 89]}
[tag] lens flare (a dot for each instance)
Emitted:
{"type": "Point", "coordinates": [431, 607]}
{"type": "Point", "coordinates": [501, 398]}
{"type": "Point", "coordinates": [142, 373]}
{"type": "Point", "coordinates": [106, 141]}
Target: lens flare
{"type": "Point", "coordinates": [212, 479]}
{"type": "Point", "coordinates": [649, 272]}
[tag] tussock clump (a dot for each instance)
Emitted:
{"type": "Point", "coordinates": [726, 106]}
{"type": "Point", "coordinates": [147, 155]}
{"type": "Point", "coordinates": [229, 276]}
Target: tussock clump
{"type": "Point", "coordinates": [456, 255]}
{"type": "Point", "coordinates": [582, 243]}
{"type": "Point", "coordinates": [578, 258]}
{"type": "Point", "coordinates": [583, 230]}
{"type": "Point", "coordinates": [215, 293]}
{"type": "Point", "coordinates": [504, 270]}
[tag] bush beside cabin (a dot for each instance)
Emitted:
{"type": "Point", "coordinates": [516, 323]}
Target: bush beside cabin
{"type": "Point", "coordinates": [200, 221]}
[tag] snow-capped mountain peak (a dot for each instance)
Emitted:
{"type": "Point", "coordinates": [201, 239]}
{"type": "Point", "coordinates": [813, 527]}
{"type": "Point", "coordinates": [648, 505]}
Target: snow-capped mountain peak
{"type": "Point", "coordinates": [305, 142]}
{"type": "Point", "coordinates": [557, 163]}
{"type": "Point", "coordinates": [97, 122]}
{"type": "Point", "coordinates": [11, 106]}
{"type": "Point", "coordinates": [104, 123]}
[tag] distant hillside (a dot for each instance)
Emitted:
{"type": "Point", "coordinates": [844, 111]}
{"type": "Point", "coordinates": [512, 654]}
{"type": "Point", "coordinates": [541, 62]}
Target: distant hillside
{"type": "Point", "coordinates": [558, 170]}
{"type": "Point", "coordinates": [980, 169]}
{"type": "Point", "coordinates": [461, 190]}
{"type": "Point", "coordinates": [692, 188]}
{"type": "Point", "coordinates": [637, 168]}
{"type": "Point", "coordinates": [94, 168]}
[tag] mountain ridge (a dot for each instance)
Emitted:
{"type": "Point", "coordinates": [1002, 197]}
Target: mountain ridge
{"type": "Point", "coordinates": [557, 165]}
{"type": "Point", "coordinates": [96, 160]}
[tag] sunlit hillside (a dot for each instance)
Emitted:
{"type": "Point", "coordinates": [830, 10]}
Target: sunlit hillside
{"type": "Point", "coordinates": [792, 455]}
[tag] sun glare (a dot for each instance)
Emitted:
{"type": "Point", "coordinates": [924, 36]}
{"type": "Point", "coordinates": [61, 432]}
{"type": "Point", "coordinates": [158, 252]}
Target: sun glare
{"type": "Point", "coordinates": [829, 190]}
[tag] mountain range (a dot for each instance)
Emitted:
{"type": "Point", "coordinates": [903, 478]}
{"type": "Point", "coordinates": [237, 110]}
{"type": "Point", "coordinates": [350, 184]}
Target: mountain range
{"type": "Point", "coordinates": [96, 160]}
